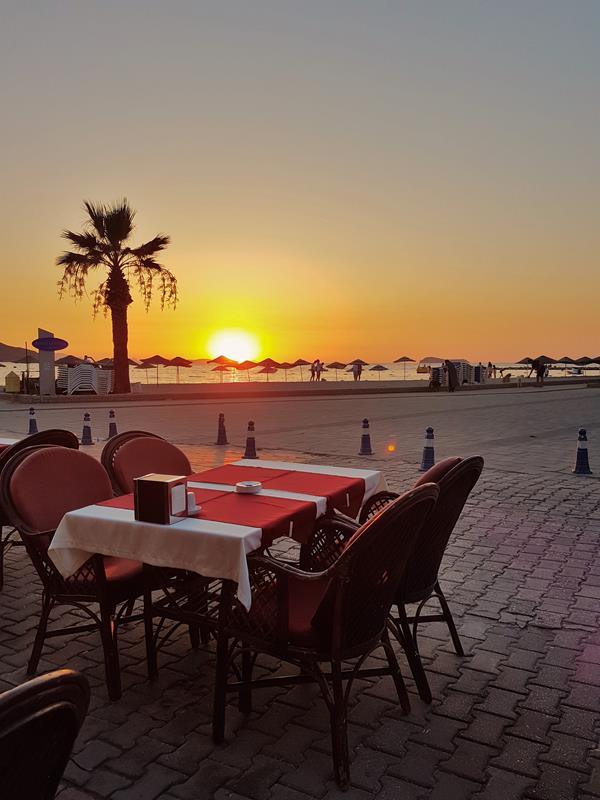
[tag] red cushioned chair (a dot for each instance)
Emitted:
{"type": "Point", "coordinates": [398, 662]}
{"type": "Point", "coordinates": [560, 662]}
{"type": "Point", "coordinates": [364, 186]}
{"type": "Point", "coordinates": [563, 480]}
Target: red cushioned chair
{"type": "Point", "coordinates": [337, 615]}
{"type": "Point", "coordinates": [456, 478]}
{"type": "Point", "coordinates": [55, 437]}
{"type": "Point", "coordinates": [140, 455]}
{"type": "Point", "coordinates": [39, 722]}
{"type": "Point", "coordinates": [111, 447]}
{"type": "Point", "coordinates": [37, 487]}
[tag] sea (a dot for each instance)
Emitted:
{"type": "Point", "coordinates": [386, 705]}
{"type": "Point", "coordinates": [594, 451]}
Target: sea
{"type": "Point", "coordinates": [206, 373]}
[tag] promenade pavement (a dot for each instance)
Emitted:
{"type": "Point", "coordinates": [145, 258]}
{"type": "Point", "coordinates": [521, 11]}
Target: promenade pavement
{"type": "Point", "coordinates": [518, 717]}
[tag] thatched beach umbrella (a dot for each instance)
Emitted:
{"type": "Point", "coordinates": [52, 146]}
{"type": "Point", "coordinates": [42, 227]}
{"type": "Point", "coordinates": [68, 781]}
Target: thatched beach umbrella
{"type": "Point", "coordinates": [223, 361]}
{"type": "Point", "coordinates": [269, 362]}
{"type": "Point", "coordinates": [156, 361]}
{"type": "Point", "coordinates": [301, 362]}
{"type": "Point", "coordinates": [246, 366]}
{"type": "Point", "coordinates": [525, 361]}
{"type": "Point", "coordinates": [268, 369]}
{"type": "Point", "coordinates": [584, 361]}
{"type": "Point", "coordinates": [404, 360]}
{"type": "Point", "coordinates": [379, 368]}
{"type": "Point", "coordinates": [359, 361]}
{"type": "Point", "coordinates": [565, 360]}
{"type": "Point", "coordinates": [222, 368]}
{"type": "Point", "coordinates": [68, 361]}
{"type": "Point", "coordinates": [285, 365]}
{"type": "Point", "coordinates": [336, 365]}
{"type": "Point", "coordinates": [545, 359]}
{"type": "Point", "coordinates": [178, 361]}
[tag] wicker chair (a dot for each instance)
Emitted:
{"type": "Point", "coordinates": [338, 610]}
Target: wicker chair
{"type": "Point", "coordinates": [111, 447]}
{"type": "Point", "coordinates": [37, 487]}
{"type": "Point", "coordinates": [456, 478]}
{"type": "Point", "coordinates": [39, 722]}
{"type": "Point", "coordinates": [139, 455]}
{"type": "Point", "coordinates": [50, 437]}
{"type": "Point", "coordinates": [337, 615]}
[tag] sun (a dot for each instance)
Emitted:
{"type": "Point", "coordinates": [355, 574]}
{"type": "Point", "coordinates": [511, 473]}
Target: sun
{"type": "Point", "coordinates": [235, 344]}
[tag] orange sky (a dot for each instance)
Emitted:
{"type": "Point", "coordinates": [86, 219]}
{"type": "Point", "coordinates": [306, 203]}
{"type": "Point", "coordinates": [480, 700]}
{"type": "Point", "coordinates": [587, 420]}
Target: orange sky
{"type": "Point", "coordinates": [392, 180]}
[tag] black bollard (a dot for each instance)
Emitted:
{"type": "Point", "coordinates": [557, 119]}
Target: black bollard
{"type": "Point", "coordinates": [250, 451]}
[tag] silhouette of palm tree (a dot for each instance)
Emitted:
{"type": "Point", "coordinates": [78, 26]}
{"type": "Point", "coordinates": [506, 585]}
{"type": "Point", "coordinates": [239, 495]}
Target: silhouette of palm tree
{"type": "Point", "coordinates": [103, 243]}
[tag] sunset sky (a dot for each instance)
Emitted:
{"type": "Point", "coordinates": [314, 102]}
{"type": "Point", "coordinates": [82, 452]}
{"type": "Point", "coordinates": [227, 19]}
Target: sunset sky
{"type": "Point", "coordinates": [340, 178]}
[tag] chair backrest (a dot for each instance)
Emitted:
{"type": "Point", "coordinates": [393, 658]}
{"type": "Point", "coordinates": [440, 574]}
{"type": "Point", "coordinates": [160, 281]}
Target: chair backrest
{"type": "Point", "coordinates": [54, 436]}
{"type": "Point", "coordinates": [455, 487]}
{"type": "Point", "coordinates": [146, 454]}
{"type": "Point", "coordinates": [368, 573]}
{"type": "Point", "coordinates": [113, 445]}
{"type": "Point", "coordinates": [438, 471]}
{"type": "Point", "coordinates": [40, 484]}
{"type": "Point", "coordinates": [39, 722]}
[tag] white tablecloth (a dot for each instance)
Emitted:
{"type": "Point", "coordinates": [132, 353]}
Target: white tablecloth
{"type": "Point", "coordinates": [214, 549]}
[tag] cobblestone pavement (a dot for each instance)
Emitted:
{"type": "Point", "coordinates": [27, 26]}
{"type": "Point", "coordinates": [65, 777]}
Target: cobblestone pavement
{"type": "Point", "coordinates": [518, 717]}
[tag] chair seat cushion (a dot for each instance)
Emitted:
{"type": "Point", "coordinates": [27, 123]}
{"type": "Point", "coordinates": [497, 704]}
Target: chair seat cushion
{"type": "Point", "coordinates": [121, 569]}
{"type": "Point", "coordinates": [304, 599]}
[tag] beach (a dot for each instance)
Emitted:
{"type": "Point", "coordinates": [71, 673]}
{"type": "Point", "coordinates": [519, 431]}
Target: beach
{"type": "Point", "coordinates": [521, 430]}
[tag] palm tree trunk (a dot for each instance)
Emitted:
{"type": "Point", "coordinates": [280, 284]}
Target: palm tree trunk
{"type": "Point", "coordinates": [121, 383]}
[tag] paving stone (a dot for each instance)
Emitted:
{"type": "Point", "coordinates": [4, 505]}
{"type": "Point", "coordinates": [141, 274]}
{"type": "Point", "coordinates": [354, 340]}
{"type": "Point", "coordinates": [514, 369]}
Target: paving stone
{"type": "Point", "coordinates": [584, 696]}
{"type": "Point", "coordinates": [440, 733]}
{"type": "Point", "coordinates": [203, 784]}
{"type": "Point", "coordinates": [520, 755]}
{"type": "Point", "coordinates": [555, 783]}
{"type": "Point", "coordinates": [512, 679]}
{"type": "Point", "coordinates": [256, 781]}
{"type": "Point", "coordinates": [486, 729]}
{"type": "Point", "coordinates": [395, 788]}
{"type": "Point", "coordinates": [311, 776]}
{"type": "Point", "coordinates": [568, 751]}
{"type": "Point", "coordinates": [153, 783]}
{"type": "Point", "coordinates": [453, 787]}
{"type": "Point", "coordinates": [105, 782]}
{"type": "Point", "coordinates": [503, 785]}
{"type": "Point", "coordinates": [533, 725]}
{"type": "Point", "coordinates": [543, 698]}
{"type": "Point", "coordinates": [500, 702]}
{"type": "Point", "coordinates": [470, 759]}
{"type": "Point", "coordinates": [419, 764]}
{"type": "Point", "coordinates": [556, 677]}
{"type": "Point", "coordinates": [94, 753]}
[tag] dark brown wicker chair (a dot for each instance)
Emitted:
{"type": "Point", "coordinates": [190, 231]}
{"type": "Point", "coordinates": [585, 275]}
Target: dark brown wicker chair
{"type": "Point", "coordinates": [456, 478]}
{"type": "Point", "coordinates": [337, 615]}
{"type": "Point", "coordinates": [142, 454]}
{"type": "Point", "coordinates": [39, 722]}
{"type": "Point", "coordinates": [111, 447]}
{"type": "Point", "coordinates": [37, 487]}
{"type": "Point", "coordinates": [55, 437]}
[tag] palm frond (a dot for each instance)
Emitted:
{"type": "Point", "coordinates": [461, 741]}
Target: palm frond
{"type": "Point", "coordinates": [118, 222]}
{"type": "Point", "coordinates": [150, 248]}
{"type": "Point", "coordinates": [84, 241]}
{"type": "Point", "coordinates": [97, 216]}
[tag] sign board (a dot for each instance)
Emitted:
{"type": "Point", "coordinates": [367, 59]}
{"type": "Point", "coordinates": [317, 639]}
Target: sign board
{"type": "Point", "coordinates": [49, 344]}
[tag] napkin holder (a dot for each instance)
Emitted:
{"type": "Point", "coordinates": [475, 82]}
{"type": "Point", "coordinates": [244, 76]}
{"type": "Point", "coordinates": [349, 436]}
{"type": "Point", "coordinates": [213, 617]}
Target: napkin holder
{"type": "Point", "coordinates": [160, 499]}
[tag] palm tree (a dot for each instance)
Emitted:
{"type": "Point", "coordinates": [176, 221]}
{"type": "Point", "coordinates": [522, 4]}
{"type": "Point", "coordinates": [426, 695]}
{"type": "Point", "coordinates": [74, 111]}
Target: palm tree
{"type": "Point", "coordinates": [103, 244]}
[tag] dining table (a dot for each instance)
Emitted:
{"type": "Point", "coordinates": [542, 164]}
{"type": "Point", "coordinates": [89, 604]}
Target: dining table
{"type": "Point", "coordinates": [215, 539]}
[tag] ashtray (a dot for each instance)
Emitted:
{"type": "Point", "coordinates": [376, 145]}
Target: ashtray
{"type": "Point", "coordinates": [248, 487]}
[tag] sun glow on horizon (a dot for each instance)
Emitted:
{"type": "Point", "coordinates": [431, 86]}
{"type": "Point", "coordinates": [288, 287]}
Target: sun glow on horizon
{"type": "Point", "coordinates": [236, 344]}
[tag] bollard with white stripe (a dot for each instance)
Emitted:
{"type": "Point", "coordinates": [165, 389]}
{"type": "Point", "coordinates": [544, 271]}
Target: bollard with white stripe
{"type": "Point", "coordinates": [582, 462]}
{"type": "Point", "coordinates": [428, 458]}
{"type": "Point", "coordinates": [221, 432]}
{"type": "Point", "coordinates": [365, 440]}
{"type": "Point", "coordinates": [112, 424]}
{"type": "Point", "coordinates": [86, 436]}
{"type": "Point", "coordinates": [33, 428]}
{"type": "Point", "coordinates": [250, 451]}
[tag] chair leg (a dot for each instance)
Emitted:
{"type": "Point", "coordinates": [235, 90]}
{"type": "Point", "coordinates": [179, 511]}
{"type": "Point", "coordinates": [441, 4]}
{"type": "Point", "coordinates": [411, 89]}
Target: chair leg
{"type": "Point", "coordinates": [339, 734]}
{"type": "Point", "coordinates": [449, 620]}
{"type": "Point", "coordinates": [412, 656]}
{"type": "Point", "coordinates": [40, 635]}
{"type": "Point", "coordinates": [245, 693]}
{"type": "Point", "coordinates": [220, 696]}
{"type": "Point", "coordinates": [149, 636]}
{"type": "Point", "coordinates": [2, 548]}
{"type": "Point", "coordinates": [108, 632]}
{"type": "Point", "coordinates": [396, 674]}
{"type": "Point", "coordinates": [194, 631]}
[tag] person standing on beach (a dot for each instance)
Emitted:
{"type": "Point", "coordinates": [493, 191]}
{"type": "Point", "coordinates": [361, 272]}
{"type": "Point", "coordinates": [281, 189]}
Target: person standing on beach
{"type": "Point", "coordinates": [453, 383]}
{"type": "Point", "coordinates": [355, 368]}
{"type": "Point", "coordinates": [318, 368]}
{"type": "Point", "coordinates": [313, 371]}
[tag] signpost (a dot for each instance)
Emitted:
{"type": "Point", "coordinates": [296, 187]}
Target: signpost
{"type": "Point", "coordinates": [47, 344]}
